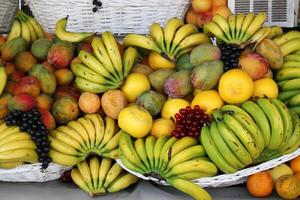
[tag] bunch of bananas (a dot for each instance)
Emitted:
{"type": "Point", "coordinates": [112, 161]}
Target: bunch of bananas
{"type": "Point", "coordinates": [167, 158]}
{"type": "Point", "coordinates": [26, 27]}
{"type": "Point", "coordinates": [241, 29]}
{"type": "Point", "coordinates": [74, 142]}
{"type": "Point", "coordinates": [16, 147]}
{"type": "Point", "coordinates": [63, 34]}
{"type": "Point", "coordinates": [173, 41]}
{"type": "Point", "coordinates": [3, 79]}
{"type": "Point", "coordinates": [96, 177]}
{"type": "Point", "coordinates": [104, 69]}
{"type": "Point", "coordinates": [240, 136]}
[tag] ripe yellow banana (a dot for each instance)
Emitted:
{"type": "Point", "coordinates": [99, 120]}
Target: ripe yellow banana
{"type": "Point", "coordinates": [110, 128]}
{"type": "Point", "coordinates": [104, 168]}
{"type": "Point", "coordinates": [33, 34]}
{"type": "Point", "coordinates": [256, 24]}
{"type": "Point", "coordinates": [84, 170]}
{"type": "Point", "coordinates": [182, 144]}
{"type": "Point", "coordinates": [160, 142]}
{"type": "Point", "coordinates": [99, 126]}
{"type": "Point", "coordinates": [94, 165]}
{"type": "Point", "coordinates": [114, 154]}
{"type": "Point", "coordinates": [63, 159]}
{"type": "Point", "coordinates": [21, 144]}
{"type": "Point", "coordinates": [77, 127]}
{"type": "Point", "coordinates": [276, 31]}
{"type": "Point", "coordinates": [139, 145]}
{"type": "Point", "coordinates": [246, 23]}
{"type": "Point", "coordinates": [79, 180]}
{"type": "Point", "coordinates": [88, 86]}
{"type": "Point", "coordinates": [170, 29]}
{"type": "Point", "coordinates": [231, 22]}
{"type": "Point", "coordinates": [141, 41]}
{"type": "Point", "coordinates": [149, 144]}
{"type": "Point", "coordinates": [164, 156]}
{"type": "Point", "coordinates": [15, 31]}
{"type": "Point", "coordinates": [239, 19]}
{"type": "Point", "coordinates": [211, 28]}
{"type": "Point", "coordinates": [112, 144]}
{"type": "Point", "coordinates": [10, 165]}
{"type": "Point", "coordinates": [3, 79]}
{"type": "Point", "coordinates": [15, 137]}
{"type": "Point", "coordinates": [76, 136]}
{"type": "Point", "coordinates": [287, 37]}
{"type": "Point", "coordinates": [157, 33]}
{"type": "Point", "coordinates": [90, 129]}
{"type": "Point", "coordinates": [26, 155]}
{"type": "Point", "coordinates": [62, 147]}
{"type": "Point", "coordinates": [122, 182]}
{"type": "Point", "coordinates": [36, 26]}
{"type": "Point", "coordinates": [9, 131]}
{"type": "Point", "coordinates": [25, 33]}
{"type": "Point", "coordinates": [66, 139]}
{"type": "Point", "coordinates": [112, 174]}
{"type": "Point", "coordinates": [290, 46]}
{"type": "Point", "coordinates": [129, 58]}
{"type": "Point", "coordinates": [223, 24]}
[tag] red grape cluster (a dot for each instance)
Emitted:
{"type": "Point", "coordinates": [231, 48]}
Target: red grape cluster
{"type": "Point", "coordinates": [189, 122]}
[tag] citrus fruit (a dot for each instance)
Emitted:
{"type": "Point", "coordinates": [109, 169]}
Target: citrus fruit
{"type": "Point", "coordinates": [162, 127]}
{"type": "Point", "coordinates": [89, 102]}
{"type": "Point", "coordinates": [260, 184]}
{"type": "Point", "coordinates": [202, 5]}
{"type": "Point", "coordinates": [135, 85]}
{"type": "Point", "coordinates": [295, 165]}
{"type": "Point", "coordinates": [288, 187]}
{"type": "Point", "coordinates": [265, 87]}
{"type": "Point", "coordinates": [135, 120]}
{"type": "Point", "coordinates": [156, 61]}
{"type": "Point", "coordinates": [208, 100]}
{"type": "Point", "coordinates": [172, 106]}
{"type": "Point", "coordinates": [235, 86]}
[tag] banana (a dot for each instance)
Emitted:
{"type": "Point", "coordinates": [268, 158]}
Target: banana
{"type": "Point", "coordinates": [293, 84]}
{"type": "Point", "coordinates": [246, 23]}
{"type": "Point", "coordinates": [131, 166]}
{"type": "Point", "coordinates": [122, 182]}
{"type": "Point", "coordinates": [181, 34]}
{"type": "Point", "coordinates": [3, 126]}
{"type": "Point", "coordinates": [277, 128]}
{"type": "Point", "coordinates": [213, 153]}
{"type": "Point", "coordinates": [79, 129]}
{"type": "Point", "coordinates": [195, 165]}
{"type": "Point", "coordinates": [170, 29]}
{"type": "Point", "coordinates": [286, 95]}
{"type": "Point", "coordinates": [214, 29]}
{"type": "Point", "coordinates": [84, 72]}
{"type": "Point", "coordinates": [160, 142]}
{"type": "Point", "coordinates": [191, 41]}
{"type": "Point", "coordinates": [292, 57]}
{"type": "Point", "coordinates": [291, 64]}
{"type": "Point", "coordinates": [276, 31]}
{"type": "Point", "coordinates": [110, 128]}
{"type": "Point", "coordinates": [63, 34]}
{"type": "Point", "coordinates": [112, 144]}
{"type": "Point", "coordinates": [66, 139]}
{"type": "Point", "coordinates": [98, 125]}
{"type": "Point", "coordinates": [63, 159]}
{"type": "Point", "coordinates": [223, 147]}
{"type": "Point", "coordinates": [102, 55]}
{"type": "Point", "coordinates": [91, 62]}
{"type": "Point", "coordinates": [10, 131]}
{"type": "Point", "coordinates": [149, 144]}
{"type": "Point", "coordinates": [223, 24]}
{"type": "Point", "coordinates": [94, 166]}
{"type": "Point", "coordinates": [112, 174]}
{"type": "Point", "coordinates": [113, 51]}
{"type": "Point", "coordinates": [3, 79]}
{"type": "Point", "coordinates": [234, 144]}
{"type": "Point", "coordinates": [103, 170]}
{"type": "Point", "coordinates": [139, 145]}
{"type": "Point", "coordinates": [90, 129]}
{"type": "Point", "coordinates": [295, 100]}
{"type": "Point", "coordinates": [10, 165]}
{"type": "Point", "coordinates": [89, 86]}
{"type": "Point", "coordinates": [15, 137]}
{"type": "Point", "coordinates": [79, 180]}
{"type": "Point", "coordinates": [243, 135]}
{"type": "Point", "coordinates": [36, 26]}
{"type": "Point", "coordinates": [265, 33]}
{"type": "Point", "coordinates": [288, 73]}
{"type": "Point", "coordinates": [21, 144]}
{"type": "Point", "coordinates": [256, 24]}
{"type": "Point", "coordinates": [15, 31]}
{"type": "Point", "coordinates": [61, 147]}
{"type": "Point", "coordinates": [128, 150]}
{"type": "Point", "coordinates": [187, 154]}
{"type": "Point", "coordinates": [25, 33]}
{"type": "Point", "coordinates": [84, 170]}
{"type": "Point", "coordinates": [287, 37]}
{"type": "Point", "coordinates": [181, 144]}
{"type": "Point", "coordinates": [190, 188]}
{"type": "Point", "coordinates": [129, 58]}
{"type": "Point", "coordinates": [141, 41]}
{"type": "Point", "coordinates": [231, 22]}
{"type": "Point", "coordinates": [286, 118]}
{"type": "Point", "coordinates": [76, 136]}
{"type": "Point", "coordinates": [19, 154]}
{"type": "Point", "coordinates": [290, 46]}
{"type": "Point", "coordinates": [295, 109]}
{"type": "Point", "coordinates": [114, 154]}
{"type": "Point", "coordinates": [184, 51]}
{"type": "Point", "coordinates": [239, 19]}
{"type": "Point", "coordinates": [157, 33]}
{"type": "Point", "coordinates": [33, 34]}
{"type": "Point", "coordinates": [260, 119]}
{"type": "Point", "coordinates": [191, 175]}
{"type": "Point", "coordinates": [164, 156]}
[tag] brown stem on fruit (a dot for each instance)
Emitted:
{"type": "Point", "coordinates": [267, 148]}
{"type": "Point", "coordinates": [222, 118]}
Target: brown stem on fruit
{"type": "Point", "coordinates": [164, 55]}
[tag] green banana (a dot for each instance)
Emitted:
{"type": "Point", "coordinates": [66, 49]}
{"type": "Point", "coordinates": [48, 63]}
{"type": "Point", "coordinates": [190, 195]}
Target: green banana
{"type": "Point", "coordinates": [150, 143]}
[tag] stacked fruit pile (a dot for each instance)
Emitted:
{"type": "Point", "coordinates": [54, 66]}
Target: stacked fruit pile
{"type": "Point", "coordinates": [170, 105]}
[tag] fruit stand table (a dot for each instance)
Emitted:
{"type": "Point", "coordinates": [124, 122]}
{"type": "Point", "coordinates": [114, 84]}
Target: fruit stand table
{"type": "Point", "coordinates": [145, 191]}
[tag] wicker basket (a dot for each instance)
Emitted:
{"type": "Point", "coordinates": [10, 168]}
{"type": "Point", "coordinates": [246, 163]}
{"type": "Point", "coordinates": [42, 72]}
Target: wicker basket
{"type": "Point", "coordinates": [118, 16]}
{"type": "Point", "coordinates": [225, 180]}
{"type": "Point", "coordinates": [32, 173]}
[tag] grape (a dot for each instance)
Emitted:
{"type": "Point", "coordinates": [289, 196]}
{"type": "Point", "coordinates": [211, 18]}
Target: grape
{"type": "Point", "coordinates": [230, 55]}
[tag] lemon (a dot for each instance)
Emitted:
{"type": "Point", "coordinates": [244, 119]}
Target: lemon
{"type": "Point", "coordinates": [172, 106]}
{"type": "Point", "coordinates": [162, 127]}
{"type": "Point", "coordinates": [265, 87]}
{"type": "Point", "coordinates": [236, 86]}
{"type": "Point", "coordinates": [135, 85]}
{"type": "Point", "coordinates": [136, 121]}
{"type": "Point", "coordinates": [156, 61]}
{"type": "Point", "coordinates": [208, 100]}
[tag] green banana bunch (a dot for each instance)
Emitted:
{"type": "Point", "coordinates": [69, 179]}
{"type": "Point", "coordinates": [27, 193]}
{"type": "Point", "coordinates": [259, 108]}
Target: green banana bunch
{"type": "Point", "coordinates": [26, 27]}
{"type": "Point", "coordinates": [72, 143]}
{"type": "Point", "coordinates": [16, 147]}
{"type": "Point", "coordinates": [170, 41]}
{"type": "Point", "coordinates": [241, 29]}
{"type": "Point", "coordinates": [98, 176]}
{"type": "Point", "coordinates": [105, 69]}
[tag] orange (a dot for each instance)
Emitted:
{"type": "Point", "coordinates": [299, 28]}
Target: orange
{"type": "Point", "coordinates": [221, 10]}
{"type": "Point", "coordinates": [89, 102]}
{"type": "Point", "coordinates": [202, 5]}
{"type": "Point", "coordinates": [192, 17]}
{"type": "Point", "coordinates": [297, 176]}
{"type": "Point", "coordinates": [260, 184]}
{"type": "Point", "coordinates": [288, 187]}
{"type": "Point", "coordinates": [217, 3]}
{"type": "Point", "coordinates": [295, 165]}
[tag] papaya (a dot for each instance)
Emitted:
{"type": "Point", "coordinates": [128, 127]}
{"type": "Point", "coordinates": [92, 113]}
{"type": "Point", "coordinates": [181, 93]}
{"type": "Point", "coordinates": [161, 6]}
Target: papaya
{"type": "Point", "coordinates": [46, 78]}
{"type": "Point", "coordinates": [11, 48]}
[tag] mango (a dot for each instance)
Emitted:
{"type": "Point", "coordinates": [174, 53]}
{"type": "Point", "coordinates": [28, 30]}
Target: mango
{"type": "Point", "coordinates": [47, 119]}
{"type": "Point", "coordinates": [158, 78]}
{"type": "Point", "coordinates": [207, 75]}
{"type": "Point", "coordinates": [16, 76]}
{"type": "Point", "coordinates": [24, 61]}
{"type": "Point", "coordinates": [60, 54]}
{"type": "Point", "coordinates": [40, 48]}
{"type": "Point", "coordinates": [179, 84]}
{"type": "Point", "coordinates": [64, 76]}
{"type": "Point", "coordinates": [44, 101]}
{"type": "Point", "coordinates": [11, 48]}
{"type": "Point", "coordinates": [65, 110]}
{"type": "Point", "coordinates": [22, 102]}
{"type": "Point", "coordinates": [141, 68]}
{"type": "Point", "coordinates": [184, 63]}
{"type": "Point", "coordinates": [47, 79]}
{"type": "Point", "coordinates": [204, 53]}
{"type": "Point", "coordinates": [152, 101]}
{"type": "Point", "coordinates": [67, 91]}
{"type": "Point", "coordinates": [28, 85]}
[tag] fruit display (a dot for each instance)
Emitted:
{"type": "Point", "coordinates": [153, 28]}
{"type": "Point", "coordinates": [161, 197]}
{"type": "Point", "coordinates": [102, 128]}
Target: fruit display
{"type": "Point", "coordinates": [99, 176]}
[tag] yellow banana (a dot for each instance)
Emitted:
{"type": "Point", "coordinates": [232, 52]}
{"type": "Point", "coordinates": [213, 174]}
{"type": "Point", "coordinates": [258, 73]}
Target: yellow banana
{"type": "Point", "coordinates": [104, 168]}
{"type": "Point", "coordinates": [112, 174]}
{"type": "Point", "coordinates": [139, 145]}
{"type": "Point", "coordinates": [239, 19]}
{"type": "Point", "coordinates": [9, 131]}
{"type": "Point", "coordinates": [110, 128]}
{"type": "Point", "coordinates": [61, 147]}
{"type": "Point", "coordinates": [90, 129]}
{"type": "Point", "coordinates": [129, 58]}
{"type": "Point", "coordinates": [182, 144]}
{"type": "Point", "coordinates": [287, 37]}
{"type": "Point", "coordinates": [160, 142]}
{"type": "Point", "coordinates": [122, 182]}
{"type": "Point", "coordinates": [79, 180]}
{"type": "Point", "coordinates": [170, 29]}
{"type": "Point", "coordinates": [15, 30]}
{"type": "Point", "coordinates": [112, 144]}
{"type": "Point", "coordinates": [88, 86]}
{"type": "Point", "coordinates": [84, 169]}
{"type": "Point", "coordinates": [66, 139]}
{"type": "Point", "coordinates": [94, 165]}
{"type": "Point", "coordinates": [74, 134]}
{"type": "Point", "coordinates": [10, 165]}
{"type": "Point", "coordinates": [276, 31]}
{"type": "Point", "coordinates": [213, 28]}
{"type": "Point", "coordinates": [231, 22]}
{"type": "Point", "coordinates": [246, 23]}
{"type": "Point", "coordinates": [15, 137]}
{"type": "Point", "coordinates": [149, 144]}
{"type": "Point", "coordinates": [77, 127]}
{"type": "Point", "coordinates": [290, 46]}
{"type": "Point", "coordinates": [157, 33]}
{"type": "Point", "coordinates": [114, 154]}
{"type": "Point", "coordinates": [99, 126]}
{"type": "Point", "coordinates": [141, 41]}
{"type": "Point", "coordinates": [223, 24]}
{"type": "Point", "coordinates": [25, 33]}
{"type": "Point", "coordinates": [164, 156]}
{"type": "Point", "coordinates": [36, 26]}
{"type": "Point", "coordinates": [21, 144]}
{"type": "Point", "coordinates": [256, 24]}
{"type": "Point", "coordinates": [28, 155]}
